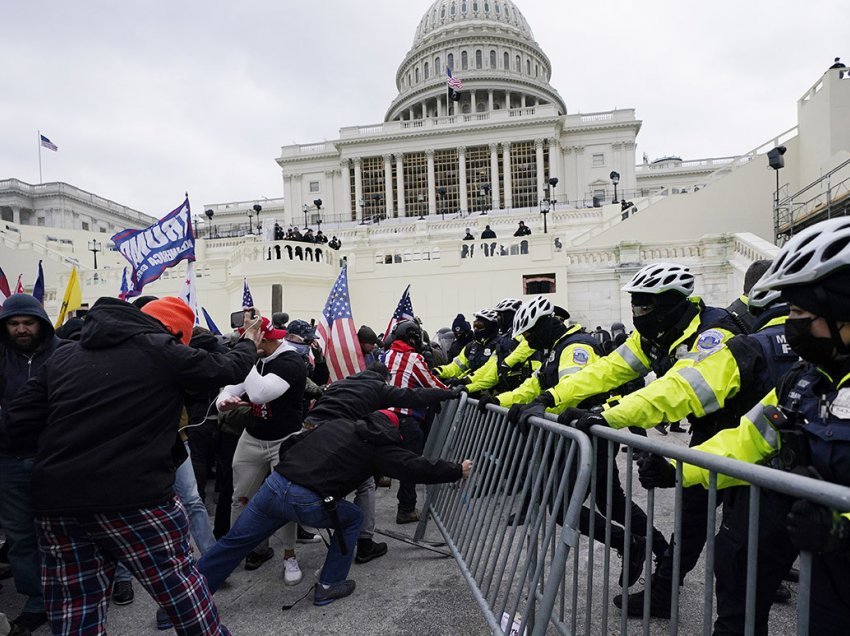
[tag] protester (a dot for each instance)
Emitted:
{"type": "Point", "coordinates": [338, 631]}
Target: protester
{"type": "Point", "coordinates": [27, 341]}
{"type": "Point", "coordinates": [100, 495]}
{"type": "Point", "coordinates": [318, 468]}
{"type": "Point", "coordinates": [369, 345]}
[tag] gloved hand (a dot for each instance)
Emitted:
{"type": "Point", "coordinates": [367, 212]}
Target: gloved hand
{"type": "Point", "coordinates": [452, 382]}
{"type": "Point", "coordinates": [816, 528]}
{"type": "Point", "coordinates": [656, 472]}
{"type": "Point", "coordinates": [484, 400]}
{"type": "Point", "coordinates": [518, 414]}
{"type": "Point", "coordinates": [457, 390]}
{"type": "Point", "coordinates": [581, 419]}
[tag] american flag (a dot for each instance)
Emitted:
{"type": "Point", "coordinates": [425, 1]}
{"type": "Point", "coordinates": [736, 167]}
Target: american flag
{"type": "Point", "coordinates": [125, 287]}
{"type": "Point", "coordinates": [5, 292]}
{"type": "Point", "coordinates": [247, 299]}
{"type": "Point", "coordinates": [19, 288]}
{"type": "Point", "coordinates": [187, 291]}
{"type": "Point", "coordinates": [337, 332]}
{"type": "Point", "coordinates": [453, 82]}
{"type": "Point", "coordinates": [403, 311]}
{"type": "Point", "coordinates": [47, 143]}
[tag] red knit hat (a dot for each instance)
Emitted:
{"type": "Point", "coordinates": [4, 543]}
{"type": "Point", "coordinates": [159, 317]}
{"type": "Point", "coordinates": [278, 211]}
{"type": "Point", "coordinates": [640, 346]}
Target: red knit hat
{"type": "Point", "coordinates": [174, 314]}
{"type": "Point", "coordinates": [391, 416]}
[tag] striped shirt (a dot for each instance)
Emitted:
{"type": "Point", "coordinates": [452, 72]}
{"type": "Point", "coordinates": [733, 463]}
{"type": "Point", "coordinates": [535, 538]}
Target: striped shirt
{"type": "Point", "coordinates": [408, 370]}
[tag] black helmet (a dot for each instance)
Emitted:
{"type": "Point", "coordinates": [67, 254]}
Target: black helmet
{"type": "Point", "coordinates": [408, 330]}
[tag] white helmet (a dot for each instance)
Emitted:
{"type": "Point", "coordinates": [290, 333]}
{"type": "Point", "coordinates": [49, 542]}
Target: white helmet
{"type": "Point", "coordinates": [490, 315]}
{"type": "Point", "coordinates": [658, 278]}
{"type": "Point", "coordinates": [532, 311]}
{"type": "Point", "coordinates": [812, 254]}
{"type": "Point", "coordinates": [508, 304]}
{"type": "Point", "coordinates": [761, 298]}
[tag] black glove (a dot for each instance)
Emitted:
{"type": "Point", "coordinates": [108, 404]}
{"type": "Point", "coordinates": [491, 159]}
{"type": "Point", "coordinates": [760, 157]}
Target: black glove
{"type": "Point", "coordinates": [484, 400]}
{"type": "Point", "coordinates": [816, 528]}
{"type": "Point", "coordinates": [535, 409]}
{"type": "Point", "coordinates": [581, 419]}
{"type": "Point", "coordinates": [452, 382]}
{"type": "Point", "coordinates": [456, 391]}
{"type": "Point", "coordinates": [656, 472]}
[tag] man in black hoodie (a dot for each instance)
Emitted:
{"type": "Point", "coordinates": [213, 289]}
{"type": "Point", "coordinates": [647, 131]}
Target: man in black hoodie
{"type": "Point", "coordinates": [27, 340]}
{"type": "Point", "coordinates": [318, 468]}
{"type": "Point", "coordinates": [101, 418]}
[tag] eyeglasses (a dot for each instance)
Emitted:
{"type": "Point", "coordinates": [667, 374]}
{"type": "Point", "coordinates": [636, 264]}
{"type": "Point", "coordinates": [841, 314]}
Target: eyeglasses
{"type": "Point", "coordinates": [642, 310]}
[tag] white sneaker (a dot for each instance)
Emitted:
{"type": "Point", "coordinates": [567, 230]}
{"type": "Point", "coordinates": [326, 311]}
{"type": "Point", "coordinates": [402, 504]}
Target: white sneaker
{"type": "Point", "coordinates": [291, 572]}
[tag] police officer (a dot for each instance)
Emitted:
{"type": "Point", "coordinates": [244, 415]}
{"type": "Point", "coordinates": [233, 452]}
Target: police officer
{"type": "Point", "coordinates": [739, 306]}
{"type": "Point", "coordinates": [514, 359]}
{"type": "Point", "coordinates": [672, 330]}
{"type": "Point", "coordinates": [812, 273]}
{"type": "Point", "coordinates": [485, 334]}
{"type": "Point", "coordinates": [731, 377]}
{"type": "Point", "coordinates": [567, 350]}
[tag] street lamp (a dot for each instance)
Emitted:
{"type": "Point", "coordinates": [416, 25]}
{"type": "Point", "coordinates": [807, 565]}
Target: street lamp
{"type": "Point", "coordinates": [304, 207]}
{"type": "Point", "coordinates": [421, 199]}
{"type": "Point", "coordinates": [362, 209]}
{"type": "Point", "coordinates": [441, 192]}
{"type": "Point", "coordinates": [210, 213]}
{"type": "Point", "coordinates": [777, 162]}
{"type": "Point", "coordinates": [553, 182]}
{"type": "Point", "coordinates": [544, 210]}
{"type": "Point", "coordinates": [258, 208]}
{"type": "Point", "coordinates": [615, 179]}
{"type": "Point", "coordinates": [250, 221]}
{"type": "Point", "coordinates": [94, 247]}
{"type": "Point", "coordinates": [318, 204]}
{"type": "Point", "coordinates": [485, 191]}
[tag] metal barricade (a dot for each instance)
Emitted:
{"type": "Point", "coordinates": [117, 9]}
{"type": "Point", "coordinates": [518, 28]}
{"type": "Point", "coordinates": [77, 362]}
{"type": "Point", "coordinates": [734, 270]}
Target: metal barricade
{"type": "Point", "coordinates": [512, 524]}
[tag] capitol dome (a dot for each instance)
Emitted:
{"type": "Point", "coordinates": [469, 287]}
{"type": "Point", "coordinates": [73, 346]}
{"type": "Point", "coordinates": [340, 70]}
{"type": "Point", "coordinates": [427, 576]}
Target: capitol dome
{"type": "Point", "coordinates": [489, 45]}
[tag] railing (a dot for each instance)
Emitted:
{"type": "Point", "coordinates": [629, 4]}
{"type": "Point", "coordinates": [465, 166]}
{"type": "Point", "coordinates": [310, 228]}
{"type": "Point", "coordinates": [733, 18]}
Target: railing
{"type": "Point", "coordinates": [808, 203]}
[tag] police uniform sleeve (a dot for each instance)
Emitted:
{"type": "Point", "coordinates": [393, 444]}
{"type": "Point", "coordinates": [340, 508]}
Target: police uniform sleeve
{"type": "Point", "coordinates": [753, 441]}
{"type": "Point", "coordinates": [625, 363]}
{"type": "Point", "coordinates": [486, 376]}
{"type": "Point", "coordinates": [523, 394]}
{"type": "Point", "coordinates": [457, 368]}
{"type": "Point", "coordinates": [520, 354]}
{"type": "Point", "coordinates": [694, 385]}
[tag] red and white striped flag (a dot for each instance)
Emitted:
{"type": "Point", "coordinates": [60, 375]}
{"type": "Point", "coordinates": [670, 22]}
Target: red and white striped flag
{"type": "Point", "coordinates": [338, 334]}
{"type": "Point", "coordinates": [404, 311]}
{"type": "Point", "coordinates": [19, 288]}
{"type": "Point", "coordinates": [5, 292]}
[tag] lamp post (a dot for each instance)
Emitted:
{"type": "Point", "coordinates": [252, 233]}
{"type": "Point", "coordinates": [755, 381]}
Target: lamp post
{"type": "Point", "coordinates": [615, 179]}
{"type": "Point", "coordinates": [376, 201]}
{"type": "Point", "coordinates": [304, 207]}
{"type": "Point", "coordinates": [544, 210]}
{"type": "Point", "coordinates": [258, 208]}
{"type": "Point", "coordinates": [441, 192]}
{"type": "Point", "coordinates": [210, 213]}
{"type": "Point", "coordinates": [421, 199]}
{"type": "Point", "coordinates": [250, 221]}
{"type": "Point", "coordinates": [485, 192]}
{"type": "Point", "coordinates": [318, 204]}
{"type": "Point", "coordinates": [94, 247]}
{"type": "Point", "coordinates": [362, 209]}
{"type": "Point", "coordinates": [777, 162]}
{"type": "Point", "coordinates": [553, 182]}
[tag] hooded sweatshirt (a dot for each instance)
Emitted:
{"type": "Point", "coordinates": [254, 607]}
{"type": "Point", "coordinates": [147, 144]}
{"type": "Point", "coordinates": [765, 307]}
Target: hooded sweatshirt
{"type": "Point", "coordinates": [103, 412]}
{"type": "Point", "coordinates": [19, 366]}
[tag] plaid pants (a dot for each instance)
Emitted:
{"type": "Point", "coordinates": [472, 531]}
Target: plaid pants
{"type": "Point", "coordinates": [79, 558]}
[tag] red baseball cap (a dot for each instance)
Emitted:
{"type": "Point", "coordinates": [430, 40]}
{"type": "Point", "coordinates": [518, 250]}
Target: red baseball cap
{"type": "Point", "coordinates": [269, 332]}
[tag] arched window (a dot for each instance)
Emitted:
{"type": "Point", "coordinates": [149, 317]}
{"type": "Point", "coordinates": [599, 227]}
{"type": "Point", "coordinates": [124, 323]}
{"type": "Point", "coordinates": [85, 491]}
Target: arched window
{"type": "Point", "coordinates": [537, 70]}
{"type": "Point", "coordinates": [437, 68]}
{"type": "Point", "coordinates": [528, 67]}
{"type": "Point", "coordinates": [506, 60]}
{"type": "Point", "coordinates": [453, 9]}
{"type": "Point", "coordinates": [478, 62]}
{"type": "Point", "coordinates": [518, 63]}
{"type": "Point", "coordinates": [464, 60]}
{"type": "Point", "coordinates": [408, 79]}
{"type": "Point", "coordinates": [442, 13]}
{"type": "Point", "coordinates": [416, 75]}
{"type": "Point", "coordinates": [492, 59]}
{"type": "Point", "coordinates": [450, 61]}
{"type": "Point", "coordinates": [463, 6]}
{"type": "Point", "coordinates": [427, 69]}
{"type": "Point", "coordinates": [498, 8]}
{"type": "Point", "coordinates": [475, 7]}
{"type": "Point", "coordinates": [486, 7]}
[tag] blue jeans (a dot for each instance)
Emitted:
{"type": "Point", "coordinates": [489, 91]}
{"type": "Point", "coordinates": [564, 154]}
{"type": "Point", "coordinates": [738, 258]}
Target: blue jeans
{"type": "Point", "coordinates": [186, 488]}
{"type": "Point", "coordinates": [18, 521]}
{"type": "Point", "coordinates": [277, 502]}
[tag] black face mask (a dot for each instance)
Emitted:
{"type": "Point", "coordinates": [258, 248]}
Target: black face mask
{"type": "Point", "coordinates": [819, 351]}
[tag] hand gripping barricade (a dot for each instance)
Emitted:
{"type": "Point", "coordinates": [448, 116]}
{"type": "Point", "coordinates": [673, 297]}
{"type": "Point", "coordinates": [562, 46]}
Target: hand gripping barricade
{"type": "Point", "coordinates": [513, 526]}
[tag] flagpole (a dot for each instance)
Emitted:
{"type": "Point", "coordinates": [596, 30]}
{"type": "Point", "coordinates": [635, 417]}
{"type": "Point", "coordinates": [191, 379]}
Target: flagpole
{"type": "Point", "coordinates": [40, 179]}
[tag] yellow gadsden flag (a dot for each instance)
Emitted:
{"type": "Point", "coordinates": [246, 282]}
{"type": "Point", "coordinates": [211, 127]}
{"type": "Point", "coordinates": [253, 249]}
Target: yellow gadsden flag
{"type": "Point", "coordinates": [73, 298]}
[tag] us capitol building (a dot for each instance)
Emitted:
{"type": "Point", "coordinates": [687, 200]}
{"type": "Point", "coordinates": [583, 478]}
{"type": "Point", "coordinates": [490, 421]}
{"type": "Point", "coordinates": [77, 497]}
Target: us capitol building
{"type": "Point", "coordinates": [401, 193]}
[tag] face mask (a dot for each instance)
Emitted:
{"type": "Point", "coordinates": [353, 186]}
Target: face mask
{"type": "Point", "coordinates": [303, 349]}
{"type": "Point", "coordinates": [816, 350]}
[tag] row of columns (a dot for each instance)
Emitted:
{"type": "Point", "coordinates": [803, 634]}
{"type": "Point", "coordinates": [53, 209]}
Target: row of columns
{"type": "Point", "coordinates": [392, 210]}
{"type": "Point", "coordinates": [420, 110]}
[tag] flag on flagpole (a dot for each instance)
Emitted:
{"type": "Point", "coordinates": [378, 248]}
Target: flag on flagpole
{"type": "Point", "coordinates": [124, 293]}
{"type": "Point", "coordinates": [454, 85]}
{"type": "Point", "coordinates": [247, 299]}
{"type": "Point", "coordinates": [210, 324]}
{"type": "Point", "coordinates": [19, 288]}
{"type": "Point", "coordinates": [337, 332]}
{"type": "Point", "coordinates": [5, 292]}
{"type": "Point", "coordinates": [73, 298]}
{"type": "Point", "coordinates": [187, 291]}
{"type": "Point", "coordinates": [403, 311]}
{"type": "Point", "coordinates": [46, 143]}
{"type": "Point", "coordinates": [38, 288]}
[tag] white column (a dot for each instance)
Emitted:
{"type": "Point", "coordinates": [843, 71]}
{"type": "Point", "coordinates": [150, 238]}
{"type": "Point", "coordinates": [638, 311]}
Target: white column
{"type": "Point", "coordinates": [555, 162]}
{"type": "Point", "coordinates": [346, 190]}
{"type": "Point", "coordinates": [490, 100]}
{"type": "Point", "coordinates": [399, 182]}
{"type": "Point", "coordinates": [410, 113]}
{"type": "Point", "coordinates": [330, 206]}
{"type": "Point", "coordinates": [16, 215]}
{"type": "Point", "coordinates": [522, 100]}
{"type": "Point", "coordinates": [388, 185]}
{"type": "Point", "coordinates": [494, 172]}
{"type": "Point", "coordinates": [432, 182]}
{"type": "Point", "coordinates": [506, 167]}
{"type": "Point", "coordinates": [461, 161]}
{"type": "Point", "coordinates": [538, 164]}
{"type": "Point", "coordinates": [358, 189]}
{"type": "Point", "coordinates": [473, 106]}
{"type": "Point", "coordinates": [439, 106]}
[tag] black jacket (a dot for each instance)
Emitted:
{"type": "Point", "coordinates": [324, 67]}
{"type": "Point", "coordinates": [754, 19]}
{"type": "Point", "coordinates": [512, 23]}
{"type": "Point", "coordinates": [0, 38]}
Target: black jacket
{"type": "Point", "coordinates": [16, 367]}
{"type": "Point", "coordinates": [333, 459]}
{"type": "Point", "coordinates": [103, 411]}
{"type": "Point", "coordinates": [367, 391]}
{"type": "Point", "coordinates": [200, 405]}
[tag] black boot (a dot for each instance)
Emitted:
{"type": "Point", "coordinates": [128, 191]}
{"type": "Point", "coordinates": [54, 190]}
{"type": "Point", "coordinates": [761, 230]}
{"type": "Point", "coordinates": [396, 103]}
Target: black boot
{"type": "Point", "coordinates": [659, 602]}
{"type": "Point", "coordinates": [637, 555]}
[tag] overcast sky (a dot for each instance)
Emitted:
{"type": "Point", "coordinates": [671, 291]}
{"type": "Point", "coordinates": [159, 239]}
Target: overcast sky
{"type": "Point", "coordinates": [149, 99]}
